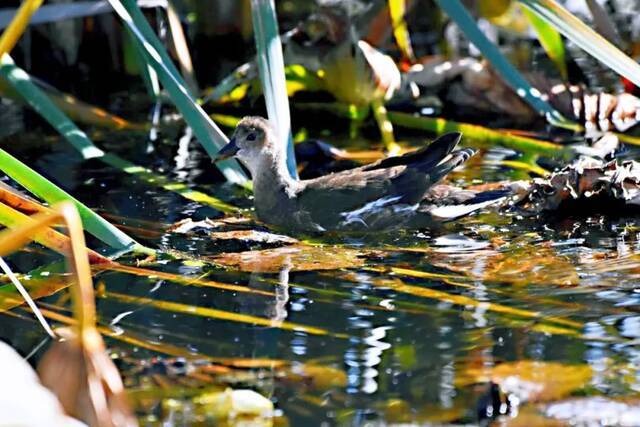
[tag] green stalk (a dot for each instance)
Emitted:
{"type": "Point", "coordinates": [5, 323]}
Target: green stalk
{"type": "Point", "coordinates": [46, 190]}
{"type": "Point", "coordinates": [509, 73]}
{"type": "Point", "coordinates": [479, 135]}
{"type": "Point", "coordinates": [207, 132]}
{"type": "Point", "coordinates": [272, 75]}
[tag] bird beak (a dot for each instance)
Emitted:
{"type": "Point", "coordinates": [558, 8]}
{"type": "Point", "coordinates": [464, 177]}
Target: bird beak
{"type": "Point", "coordinates": [227, 151]}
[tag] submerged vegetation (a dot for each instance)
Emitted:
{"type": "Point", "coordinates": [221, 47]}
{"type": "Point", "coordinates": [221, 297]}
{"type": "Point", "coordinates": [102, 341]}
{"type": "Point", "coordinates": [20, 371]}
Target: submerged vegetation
{"type": "Point", "coordinates": [420, 283]}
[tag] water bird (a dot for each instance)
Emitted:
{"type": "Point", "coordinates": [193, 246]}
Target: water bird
{"type": "Point", "coordinates": [396, 192]}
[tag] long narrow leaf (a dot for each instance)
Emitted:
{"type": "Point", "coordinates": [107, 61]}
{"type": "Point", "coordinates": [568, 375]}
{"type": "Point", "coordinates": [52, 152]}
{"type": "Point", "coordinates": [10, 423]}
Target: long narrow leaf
{"type": "Point", "coordinates": [50, 238]}
{"type": "Point", "coordinates": [271, 66]}
{"type": "Point", "coordinates": [512, 76]}
{"type": "Point", "coordinates": [479, 135]}
{"type": "Point", "coordinates": [77, 9]}
{"type": "Point", "coordinates": [46, 190]}
{"type": "Point", "coordinates": [590, 41]}
{"type": "Point", "coordinates": [22, 84]}
{"type": "Point", "coordinates": [397, 10]}
{"type": "Point", "coordinates": [207, 132]}
{"type": "Point", "coordinates": [12, 33]}
{"type": "Point", "coordinates": [603, 23]}
{"type": "Point", "coordinates": [550, 40]}
{"type": "Point", "coordinates": [179, 43]}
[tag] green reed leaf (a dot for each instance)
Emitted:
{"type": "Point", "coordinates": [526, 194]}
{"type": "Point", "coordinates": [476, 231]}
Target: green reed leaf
{"type": "Point", "coordinates": [550, 40]}
{"type": "Point", "coordinates": [271, 68]}
{"type": "Point", "coordinates": [207, 132]}
{"type": "Point", "coordinates": [21, 83]}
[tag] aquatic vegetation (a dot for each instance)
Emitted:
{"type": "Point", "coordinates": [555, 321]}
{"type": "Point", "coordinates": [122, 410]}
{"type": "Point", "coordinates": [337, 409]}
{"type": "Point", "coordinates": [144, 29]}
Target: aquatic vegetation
{"type": "Point", "coordinates": [517, 305]}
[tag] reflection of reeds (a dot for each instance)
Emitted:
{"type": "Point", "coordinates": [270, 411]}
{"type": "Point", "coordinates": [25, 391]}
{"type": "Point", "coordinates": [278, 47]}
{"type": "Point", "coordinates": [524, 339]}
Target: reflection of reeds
{"type": "Point", "coordinates": [77, 368]}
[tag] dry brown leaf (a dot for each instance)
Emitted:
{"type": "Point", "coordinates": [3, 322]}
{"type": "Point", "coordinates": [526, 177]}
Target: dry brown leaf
{"type": "Point", "coordinates": [254, 236]}
{"type": "Point", "coordinates": [85, 380]}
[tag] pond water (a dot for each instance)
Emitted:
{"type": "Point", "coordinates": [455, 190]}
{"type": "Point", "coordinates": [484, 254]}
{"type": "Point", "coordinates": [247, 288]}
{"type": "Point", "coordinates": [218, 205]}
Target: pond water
{"type": "Point", "coordinates": [495, 313]}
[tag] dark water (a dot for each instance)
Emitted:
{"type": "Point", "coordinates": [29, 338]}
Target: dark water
{"type": "Point", "coordinates": [397, 345]}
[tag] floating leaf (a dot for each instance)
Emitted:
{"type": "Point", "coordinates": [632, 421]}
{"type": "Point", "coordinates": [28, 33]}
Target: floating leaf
{"type": "Point", "coordinates": [245, 404]}
{"type": "Point", "coordinates": [531, 380]}
{"type": "Point", "coordinates": [292, 258]}
{"type": "Point", "coordinates": [316, 377]}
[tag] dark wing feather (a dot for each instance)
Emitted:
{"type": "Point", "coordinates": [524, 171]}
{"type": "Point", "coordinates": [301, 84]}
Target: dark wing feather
{"type": "Point", "coordinates": [406, 177]}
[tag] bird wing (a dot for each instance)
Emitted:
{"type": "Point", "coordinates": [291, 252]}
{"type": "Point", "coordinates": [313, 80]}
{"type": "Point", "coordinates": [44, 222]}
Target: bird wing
{"type": "Point", "coordinates": [392, 181]}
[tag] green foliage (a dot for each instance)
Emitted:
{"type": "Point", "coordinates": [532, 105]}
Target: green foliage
{"type": "Point", "coordinates": [208, 133]}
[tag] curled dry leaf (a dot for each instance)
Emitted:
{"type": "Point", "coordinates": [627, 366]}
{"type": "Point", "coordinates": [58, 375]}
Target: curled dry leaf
{"type": "Point", "coordinates": [292, 258]}
{"type": "Point", "coordinates": [531, 380]}
{"type": "Point", "coordinates": [85, 380]}
{"type": "Point", "coordinates": [587, 180]}
{"type": "Point", "coordinates": [190, 226]}
{"type": "Point", "coordinates": [254, 236]}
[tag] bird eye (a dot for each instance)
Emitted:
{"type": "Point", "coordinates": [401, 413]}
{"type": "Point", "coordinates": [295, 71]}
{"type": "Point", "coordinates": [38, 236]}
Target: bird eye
{"type": "Point", "coordinates": [251, 137]}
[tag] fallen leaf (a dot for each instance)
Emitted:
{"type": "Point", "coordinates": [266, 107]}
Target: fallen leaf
{"type": "Point", "coordinates": [531, 380]}
{"type": "Point", "coordinates": [292, 258]}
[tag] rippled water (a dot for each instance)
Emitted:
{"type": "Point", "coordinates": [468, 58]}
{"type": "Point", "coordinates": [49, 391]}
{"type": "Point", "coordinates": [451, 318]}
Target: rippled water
{"type": "Point", "coordinates": [409, 329]}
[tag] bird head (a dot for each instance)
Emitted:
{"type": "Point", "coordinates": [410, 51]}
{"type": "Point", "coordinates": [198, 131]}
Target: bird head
{"type": "Point", "coordinates": [252, 141]}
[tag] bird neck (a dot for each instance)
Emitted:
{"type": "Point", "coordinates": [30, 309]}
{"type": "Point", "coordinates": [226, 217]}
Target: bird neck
{"type": "Point", "coordinates": [272, 183]}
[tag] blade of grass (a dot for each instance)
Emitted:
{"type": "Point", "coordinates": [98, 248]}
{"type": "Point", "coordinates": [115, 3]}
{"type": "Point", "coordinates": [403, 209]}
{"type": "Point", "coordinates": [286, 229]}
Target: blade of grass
{"type": "Point", "coordinates": [46, 190]}
{"type": "Point", "coordinates": [419, 291]}
{"type": "Point", "coordinates": [603, 23]}
{"type": "Point", "coordinates": [12, 33]}
{"type": "Point", "coordinates": [272, 76]}
{"type": "Point", "coordinates": [509, 73]}
{"type": "Point", "coordinates": [48, 237]}
{"type": "Point", "coordinates": [179, 43]}
{"type": "Point", "coordinates": [19, 201]}
{"type": "Point", "coordinates": [208, 133]}
{"type": "Point", "coordinates": [32, 305]}
{"type": "Point", "coordinates": [587, 39]}
{"type": "Point", "coordinates": [76, 109]}
{"type": "Point", "coordinates": [76, 369]}
{"type": "Point", "coordinates": [397, 10]}
{"type": "Point", "coordinates": [11, 240]}
{"type": "Point", "coordinates": [38, 100]}
{"type": "Point", "coordinates": [550, 40]}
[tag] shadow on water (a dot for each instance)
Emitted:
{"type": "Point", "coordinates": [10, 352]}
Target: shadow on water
{"type": "Point", "coordinates": [414, 326]}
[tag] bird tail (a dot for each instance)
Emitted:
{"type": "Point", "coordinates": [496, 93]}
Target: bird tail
{"type": "Point", "coordinates": [449, 163]}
